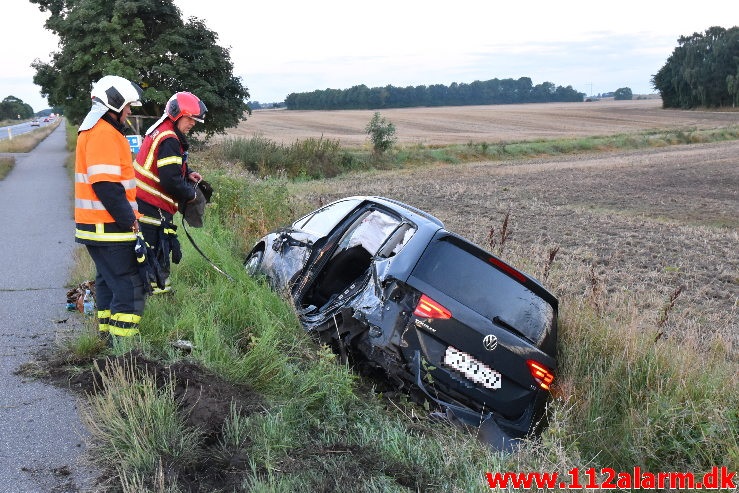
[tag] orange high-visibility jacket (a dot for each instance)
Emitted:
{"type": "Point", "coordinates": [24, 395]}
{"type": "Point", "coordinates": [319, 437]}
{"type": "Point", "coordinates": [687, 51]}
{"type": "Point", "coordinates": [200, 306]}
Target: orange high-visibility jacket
{"type": "Point", "coordinates": [103, 154]}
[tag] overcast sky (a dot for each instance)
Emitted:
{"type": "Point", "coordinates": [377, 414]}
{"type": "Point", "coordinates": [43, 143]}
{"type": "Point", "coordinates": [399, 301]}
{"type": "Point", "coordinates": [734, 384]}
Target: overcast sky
{"type": "Point", "coordinates": [280, 46]}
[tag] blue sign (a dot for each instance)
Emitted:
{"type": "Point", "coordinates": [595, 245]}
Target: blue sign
{"type": "Point", "coordinates": [135, 142]}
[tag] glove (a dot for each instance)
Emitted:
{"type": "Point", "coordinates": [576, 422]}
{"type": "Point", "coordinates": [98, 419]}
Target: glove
{"type": "Point", "coordinates": [206, 190]}
{"type": "Point", "coordinates": [141, 256]}
{"type": "Point", "coordinates": [149, 268]}
{"type": "Point", "coordinates": [174, 244]}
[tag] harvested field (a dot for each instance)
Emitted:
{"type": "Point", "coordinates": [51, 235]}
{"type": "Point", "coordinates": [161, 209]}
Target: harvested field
{"type": "Point", "coordinates": [640, 224]}
{"type": "Point", "coordinates": [498, 123]}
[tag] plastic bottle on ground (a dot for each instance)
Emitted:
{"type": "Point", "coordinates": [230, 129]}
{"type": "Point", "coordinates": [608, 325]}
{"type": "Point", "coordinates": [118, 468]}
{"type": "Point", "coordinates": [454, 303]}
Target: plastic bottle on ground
{"type": "Point", "coordinates": [88, 303]}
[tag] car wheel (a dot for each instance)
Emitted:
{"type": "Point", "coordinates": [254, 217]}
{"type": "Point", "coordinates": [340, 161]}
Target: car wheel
{"type": "Point", "coordinates": [253, 262]}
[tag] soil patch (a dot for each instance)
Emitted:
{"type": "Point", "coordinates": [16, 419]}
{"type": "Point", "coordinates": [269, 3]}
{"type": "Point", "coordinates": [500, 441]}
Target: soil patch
{"type": "Point", "coordinates": [205, 401]}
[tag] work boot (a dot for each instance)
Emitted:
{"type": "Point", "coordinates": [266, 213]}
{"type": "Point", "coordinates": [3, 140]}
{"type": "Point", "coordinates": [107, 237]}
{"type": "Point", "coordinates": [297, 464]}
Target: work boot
{"type": "Point", "coordinates": [105, 336]}
{"type": "Point", "coordinates": [166, 290]}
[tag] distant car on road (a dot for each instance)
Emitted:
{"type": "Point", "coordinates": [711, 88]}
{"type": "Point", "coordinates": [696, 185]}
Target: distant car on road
{"type": "Point", "coordinates": [387, 285]}
{"type": "Point", "coordinates": [46, 120]}
{"type": "Point", "coordinates": [35, 122]}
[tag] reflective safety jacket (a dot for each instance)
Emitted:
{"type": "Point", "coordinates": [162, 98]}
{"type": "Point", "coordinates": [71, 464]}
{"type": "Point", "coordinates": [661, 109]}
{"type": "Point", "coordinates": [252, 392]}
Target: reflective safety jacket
{"type": "Point", "coordinates": [103, 156]}
{"type": "Point", "coordinates": [161, 168]}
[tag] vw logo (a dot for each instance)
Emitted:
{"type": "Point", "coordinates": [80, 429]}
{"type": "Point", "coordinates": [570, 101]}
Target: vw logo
{"type": "Point", "coordinates": [490, 342]}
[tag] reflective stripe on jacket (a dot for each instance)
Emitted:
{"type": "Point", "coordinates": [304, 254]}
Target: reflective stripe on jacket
{"type": "Point", "coordinates": [147, 167]}
{"type": "Point", "coordinates": [102, 233]}
{"type": "Point", "coordinates": [103, 155]}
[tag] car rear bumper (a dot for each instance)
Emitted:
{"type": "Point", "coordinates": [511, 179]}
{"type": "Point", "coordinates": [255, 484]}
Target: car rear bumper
{"type": "Point", "coordinates": [501, 433]}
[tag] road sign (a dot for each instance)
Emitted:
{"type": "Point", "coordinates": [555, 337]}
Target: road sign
{"type": "Point", "coordinates": [135, 142]}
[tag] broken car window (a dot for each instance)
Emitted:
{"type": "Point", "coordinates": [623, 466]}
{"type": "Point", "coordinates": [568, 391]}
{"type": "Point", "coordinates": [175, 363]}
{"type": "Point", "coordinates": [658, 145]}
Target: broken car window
{"type": "Point", "coordinates": [323, 221]}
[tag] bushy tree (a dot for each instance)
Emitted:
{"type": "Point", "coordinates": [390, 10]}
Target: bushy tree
{"type": "Point", "coordinates": [11, 108]}
{"type": "Point", "coordinates": [623, 93]}
{"type": "Point", "coordinates": [381, 132]}
{"type": "Point", "coordinates": [701, 71]}
{"type": "Point", "coordinates": [145, 41]}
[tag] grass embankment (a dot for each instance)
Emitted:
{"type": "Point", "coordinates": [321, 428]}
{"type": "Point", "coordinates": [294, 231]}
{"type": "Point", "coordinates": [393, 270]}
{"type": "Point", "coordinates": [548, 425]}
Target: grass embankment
{"type": "Point", "coordinates": [622, 399]}
{"type": "Point", "coordinates": [6, 164]}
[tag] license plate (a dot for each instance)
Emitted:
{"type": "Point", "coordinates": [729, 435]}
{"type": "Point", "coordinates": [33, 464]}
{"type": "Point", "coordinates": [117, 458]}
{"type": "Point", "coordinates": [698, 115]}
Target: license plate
{"type": "Point", "coordinates": [472, 369]}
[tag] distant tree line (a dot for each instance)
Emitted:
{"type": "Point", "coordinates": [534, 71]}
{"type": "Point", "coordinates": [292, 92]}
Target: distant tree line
{"type": "Point", "coordinates": [494, 91]}
{"type": "Point", "coordinates": [256, 105]}
{"type": "Point", "coordinates": [703, 71]}
{"type": "Point", "coordinates": [12, 108]}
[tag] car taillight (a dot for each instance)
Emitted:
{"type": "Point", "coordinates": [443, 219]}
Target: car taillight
{"type": "Point", "coordinates": [543, 375]}
{"type": "Point", "coordinates": [428, 308]}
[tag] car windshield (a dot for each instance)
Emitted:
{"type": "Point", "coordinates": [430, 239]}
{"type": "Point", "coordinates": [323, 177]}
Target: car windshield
{"type": "Point", "coordinates": [320, 223]}
{"type": "Point", "coordinates": [478, 285]}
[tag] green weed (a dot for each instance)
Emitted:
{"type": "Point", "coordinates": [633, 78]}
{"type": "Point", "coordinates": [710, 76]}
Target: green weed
{"type": "Point", "coordinates": [6, 164]}
{"type": "Point", "coordinates": [137, 425]}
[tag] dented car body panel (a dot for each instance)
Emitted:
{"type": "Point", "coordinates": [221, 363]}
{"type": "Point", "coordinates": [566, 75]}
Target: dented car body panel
{"type": "Point", "coordinates": [386, 283]}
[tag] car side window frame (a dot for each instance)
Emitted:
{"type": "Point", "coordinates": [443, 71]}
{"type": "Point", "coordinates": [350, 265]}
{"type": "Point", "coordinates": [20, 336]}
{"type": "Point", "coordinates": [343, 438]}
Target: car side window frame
{"type": "Point", "coordinates": [342, 207]}
{"type": "Point", "coordinates": [382, 249]}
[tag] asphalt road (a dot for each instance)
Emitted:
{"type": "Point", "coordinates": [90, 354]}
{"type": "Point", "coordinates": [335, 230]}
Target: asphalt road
{"type": "Point", "coordinates": [20, 129]}
{"type": "Point", "coordinates": [43, 443]}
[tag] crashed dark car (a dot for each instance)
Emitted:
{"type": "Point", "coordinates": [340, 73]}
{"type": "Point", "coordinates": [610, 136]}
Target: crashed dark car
{"type": "Point", "coordinates": [385, 283]}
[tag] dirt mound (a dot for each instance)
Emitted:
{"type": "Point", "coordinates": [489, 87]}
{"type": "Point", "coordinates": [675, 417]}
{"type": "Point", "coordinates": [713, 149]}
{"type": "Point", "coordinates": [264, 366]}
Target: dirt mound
{"type": "Point", "coordinates": [204, 399]}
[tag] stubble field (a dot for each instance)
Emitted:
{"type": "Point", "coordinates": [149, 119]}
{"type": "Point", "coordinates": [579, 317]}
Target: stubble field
{"type": "Point", "coordinates": [495, 123]}
{"type": "Point", "coordinates": [632, 228]}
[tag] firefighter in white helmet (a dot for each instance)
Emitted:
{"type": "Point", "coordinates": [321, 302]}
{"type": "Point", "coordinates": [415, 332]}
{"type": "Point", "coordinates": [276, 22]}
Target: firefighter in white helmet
{"type": "Point", "coordinates": [105, 209]}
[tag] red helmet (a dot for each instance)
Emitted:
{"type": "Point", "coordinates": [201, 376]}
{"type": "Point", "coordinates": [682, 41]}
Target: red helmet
{"type": "Point", "coordinates": [186, 104]}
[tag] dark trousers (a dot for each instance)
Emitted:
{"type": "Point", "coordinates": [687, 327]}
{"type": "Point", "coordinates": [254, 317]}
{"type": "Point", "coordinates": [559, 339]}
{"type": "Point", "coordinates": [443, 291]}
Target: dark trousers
{"type": "Point", "coordinates": [155, 237]}
{"type": "Point", "coordinates": [119, 289]}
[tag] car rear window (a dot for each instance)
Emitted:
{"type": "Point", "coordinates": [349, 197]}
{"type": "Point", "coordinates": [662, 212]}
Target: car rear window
{"type": "Point", "coordinates": [480, 286]}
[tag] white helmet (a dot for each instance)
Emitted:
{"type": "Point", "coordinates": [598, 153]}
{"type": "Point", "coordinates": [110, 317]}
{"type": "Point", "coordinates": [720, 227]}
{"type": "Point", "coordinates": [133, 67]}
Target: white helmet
{"type": "Point", "coordinates": [116, 92]}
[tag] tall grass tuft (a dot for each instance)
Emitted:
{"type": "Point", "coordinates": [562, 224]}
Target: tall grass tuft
{"type": "Point", "coordinates": [313, 158]}
{"type": "Point", "coordinates": [137, 425]}
{"type": "Point", "coordinates": [658, 405]}
{"type": "Point", "coordinates": [6, 164]}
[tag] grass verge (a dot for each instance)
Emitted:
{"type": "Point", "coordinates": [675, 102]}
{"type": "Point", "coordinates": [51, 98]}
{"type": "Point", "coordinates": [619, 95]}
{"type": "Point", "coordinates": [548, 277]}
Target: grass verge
{"type": "Point", "coordinates": [6, 164]}
{"type": "Point", "coordinates": [325, 158]}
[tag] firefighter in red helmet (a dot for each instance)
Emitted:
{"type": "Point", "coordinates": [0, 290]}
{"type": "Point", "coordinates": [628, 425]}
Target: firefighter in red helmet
{"type": "Point", "coordinates": [164, 181]}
